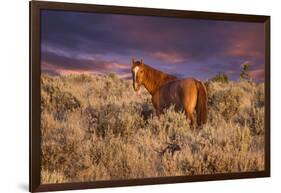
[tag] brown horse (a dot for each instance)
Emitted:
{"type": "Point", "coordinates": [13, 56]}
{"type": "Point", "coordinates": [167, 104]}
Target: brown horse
{"type": "Point", "coordinates": [166, 90]}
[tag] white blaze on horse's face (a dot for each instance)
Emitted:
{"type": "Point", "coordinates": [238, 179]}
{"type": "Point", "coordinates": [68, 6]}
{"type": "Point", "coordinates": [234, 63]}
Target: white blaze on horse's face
{"type": "Point", "coordinates": [136, 69]}
{"type": "Point", "coordinates": [135, 72]}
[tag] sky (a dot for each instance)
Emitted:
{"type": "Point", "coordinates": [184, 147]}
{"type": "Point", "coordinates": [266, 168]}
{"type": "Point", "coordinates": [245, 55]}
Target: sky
{"type": "Point", "coordinates": [96, 43]}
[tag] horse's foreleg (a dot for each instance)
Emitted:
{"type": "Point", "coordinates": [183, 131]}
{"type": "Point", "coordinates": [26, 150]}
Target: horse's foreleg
{"type": "Point", "coordinates": [156, 104]}
{"type": "Point", "coordinates": [157, 110]}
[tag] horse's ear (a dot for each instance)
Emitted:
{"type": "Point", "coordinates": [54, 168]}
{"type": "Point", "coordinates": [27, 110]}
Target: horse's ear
{"type": "Point", "coordinates": [141, 61]}
{"type": "Point", "coordinates": [133, 60]}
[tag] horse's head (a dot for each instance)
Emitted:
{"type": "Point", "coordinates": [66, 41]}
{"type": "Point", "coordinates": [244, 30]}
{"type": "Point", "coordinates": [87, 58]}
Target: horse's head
{"type": "Point", "coordinates": [137, 73]}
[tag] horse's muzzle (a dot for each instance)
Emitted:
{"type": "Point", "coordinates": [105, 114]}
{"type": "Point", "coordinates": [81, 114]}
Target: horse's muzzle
{"type": "Point", "coordinates": [136, 86]}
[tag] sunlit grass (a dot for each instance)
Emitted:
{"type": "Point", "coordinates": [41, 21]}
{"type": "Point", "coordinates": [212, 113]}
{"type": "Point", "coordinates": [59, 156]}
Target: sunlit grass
{"type": "Point", "coordinates": [98, 128]}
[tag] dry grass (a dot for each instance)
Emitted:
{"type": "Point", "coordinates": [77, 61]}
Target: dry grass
{"type": "Point", "coordinates": [98, 128]}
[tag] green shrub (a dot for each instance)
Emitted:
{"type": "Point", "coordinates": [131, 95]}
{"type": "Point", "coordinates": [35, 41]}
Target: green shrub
{"type": "Point", "coordinates": [245, 72]}
{"type": "Point", "coordinates": [220, 77]}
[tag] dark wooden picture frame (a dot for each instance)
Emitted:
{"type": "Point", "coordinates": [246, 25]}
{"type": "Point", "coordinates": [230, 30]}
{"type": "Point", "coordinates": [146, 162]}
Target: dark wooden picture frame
{"type": "Point", "coordinates": [34, 100]}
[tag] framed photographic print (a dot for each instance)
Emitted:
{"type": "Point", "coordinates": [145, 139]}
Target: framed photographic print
{"type": "Point", "coordinates": [123, 96]}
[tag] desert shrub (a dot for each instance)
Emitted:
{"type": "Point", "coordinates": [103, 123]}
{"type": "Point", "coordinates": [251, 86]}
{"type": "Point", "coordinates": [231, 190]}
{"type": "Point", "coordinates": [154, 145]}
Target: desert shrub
{"type": "Point", "coordinates": [121, 120]}
{"type": "Point", "coordinates": [147, 110]}
{"type": "Point", "coordinates": [259, 100]}
{"type": "Point", "coordinates": [224, 99]}
{"type": "Point", "coordinates": [113, 76]}
{"type": "Point", "coordinates": [220, 77]}
{"type": "Point", "coordinates": [111, 132]}
{"type": "Point", "coordinates": [245, 74]}
{"type": "Point", "coordinates": [171, 122]}
{"type": "Point", "coordinates": [52, 177]}
{"type": "Point", "coordinates": [255, 119]}
{"type": "Point", "coordinates": [82, 78]}
{"type": "Point", "coordinates": [60, 147]}
{"type": "Point", "coordinates": [55, 100]}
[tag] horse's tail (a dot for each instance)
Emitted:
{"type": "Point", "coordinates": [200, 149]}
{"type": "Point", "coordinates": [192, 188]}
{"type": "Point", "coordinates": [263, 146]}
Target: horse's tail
{"type": "Point", "coordinates": [201, 106]}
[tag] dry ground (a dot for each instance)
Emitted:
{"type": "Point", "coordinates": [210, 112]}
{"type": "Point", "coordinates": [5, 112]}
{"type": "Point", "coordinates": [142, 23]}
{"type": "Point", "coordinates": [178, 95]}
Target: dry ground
{"type": "Point", "coordinates": [98, 128]}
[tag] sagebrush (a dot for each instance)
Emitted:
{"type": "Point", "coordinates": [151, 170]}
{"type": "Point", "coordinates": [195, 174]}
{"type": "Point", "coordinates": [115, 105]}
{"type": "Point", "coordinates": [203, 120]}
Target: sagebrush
{"type": "Point", "coordinates": [97, 128]}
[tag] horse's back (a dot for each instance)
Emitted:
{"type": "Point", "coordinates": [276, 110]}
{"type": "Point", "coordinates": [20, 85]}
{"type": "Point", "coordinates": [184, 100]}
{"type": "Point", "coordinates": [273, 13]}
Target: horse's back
{"type": "Point", "coordinates": [188, 85]}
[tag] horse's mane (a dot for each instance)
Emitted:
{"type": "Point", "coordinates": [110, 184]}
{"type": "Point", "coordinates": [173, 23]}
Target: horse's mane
{"type": "Point", "coordinates": [154, 79]}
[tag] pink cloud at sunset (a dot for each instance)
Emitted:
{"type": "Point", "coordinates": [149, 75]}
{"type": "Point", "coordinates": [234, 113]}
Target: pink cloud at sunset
{"type": "Point", "coordinates": [257, 74]}
{"type": "Point", "coordinates": [172, 58]}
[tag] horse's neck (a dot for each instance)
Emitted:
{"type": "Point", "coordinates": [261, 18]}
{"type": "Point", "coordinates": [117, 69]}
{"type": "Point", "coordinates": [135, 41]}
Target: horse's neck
{"type": "Point", "coordinates": [154, 79]}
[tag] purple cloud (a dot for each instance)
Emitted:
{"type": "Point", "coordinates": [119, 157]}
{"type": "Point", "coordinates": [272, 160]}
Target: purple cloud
{"type": "Point", "coordinates": [102, 43]}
